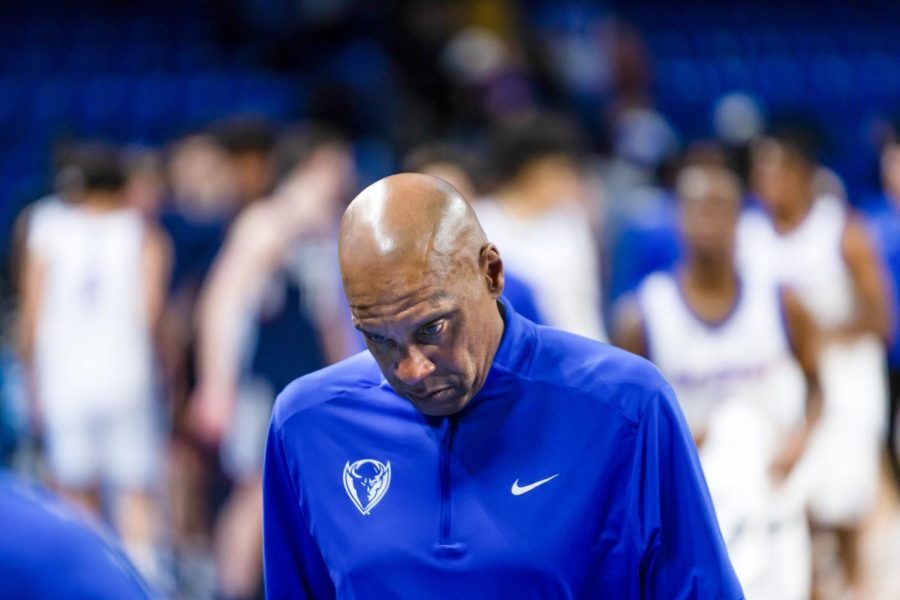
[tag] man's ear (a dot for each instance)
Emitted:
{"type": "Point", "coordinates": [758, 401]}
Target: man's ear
{"type": "Point", "coordinates": [492, 269]}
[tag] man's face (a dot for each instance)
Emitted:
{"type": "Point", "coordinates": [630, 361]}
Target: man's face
{"type": "Point", "coordinates": [253, 174]}
{"type": "Point", "coordinates": [780, 179]}
{"type": "Point", "coordinates": [428, 329]}
{"type": "Point", "coordinates": [555, 178]}
{"type": "Point", "coordinates": [708, 222]}
{"type": "Point", "coordinates": [890, 171]}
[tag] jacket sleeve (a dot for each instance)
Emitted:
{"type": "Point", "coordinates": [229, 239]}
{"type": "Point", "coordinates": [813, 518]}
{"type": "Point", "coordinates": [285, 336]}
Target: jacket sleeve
{"type": "Point", "coordinates": [293, 565]}
{"type": "Point", "coordinates": [683, 554]}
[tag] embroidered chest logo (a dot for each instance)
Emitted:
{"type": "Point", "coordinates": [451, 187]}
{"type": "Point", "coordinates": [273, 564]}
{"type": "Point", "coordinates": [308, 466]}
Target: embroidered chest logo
{"type": "Point", "coordinates": [366, 482]}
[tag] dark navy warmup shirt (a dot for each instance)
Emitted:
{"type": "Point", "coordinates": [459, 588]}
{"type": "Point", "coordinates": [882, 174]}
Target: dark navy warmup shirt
{"type": "Point", "coordinates": [571, 474]}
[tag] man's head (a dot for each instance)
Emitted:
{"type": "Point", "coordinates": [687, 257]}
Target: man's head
{"type": "Point", "coordinates": [890, 163]}
{"type": "Point", "coordinates": [710, 203]}
{"type": "Point", "coordinates": [540, 155]}
{"type": "Point", "coordinates": [317, 148]}
{"type": "Point", "coordinates": [784, 167]}
{"type": "Point", "coordinates": [453, 164]}
{"type": "Point", "coordinates": [200, 176]}
{"type": "Point", "coordinates": [98, 173]}
{"type": "Point", "coordinates": [248, 142]}
{"type": "Point", "coordinates": [890, 170]}
{"type": "Point", "coordinates": [312, 145]}
{"type": "Point", "coordinates": [422, 282]}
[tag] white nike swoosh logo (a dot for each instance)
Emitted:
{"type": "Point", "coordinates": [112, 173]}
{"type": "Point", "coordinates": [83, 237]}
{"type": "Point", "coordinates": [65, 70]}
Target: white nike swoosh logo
{"type": "Point", "coordinates": [518, 491]}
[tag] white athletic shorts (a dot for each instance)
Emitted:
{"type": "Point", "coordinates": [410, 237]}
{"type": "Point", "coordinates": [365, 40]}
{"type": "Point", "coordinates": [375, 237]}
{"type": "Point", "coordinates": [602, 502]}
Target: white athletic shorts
{"type": "Point", "coordinates": [735, 456]}
{"type": "Point", "coordinates": [790, 548]}
{"type": "Point", "coordinates": [764, 527]}
{"type": "Point", "coordinates": [120, 447]}
{"type": "Point", "coordinates": [842, 459]}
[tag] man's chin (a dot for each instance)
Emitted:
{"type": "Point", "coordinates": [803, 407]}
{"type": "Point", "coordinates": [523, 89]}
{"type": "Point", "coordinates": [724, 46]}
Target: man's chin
{"type": "Point", "coordinates": [441, 404]}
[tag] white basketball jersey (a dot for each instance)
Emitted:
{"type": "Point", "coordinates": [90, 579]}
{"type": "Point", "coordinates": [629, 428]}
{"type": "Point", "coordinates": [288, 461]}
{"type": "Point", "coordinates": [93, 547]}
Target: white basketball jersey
{"type": "Point", "coordinates": [746, 355]}
{"type": "Point", "coordinates": [807, 259]}
{"type": "Point", "coordinates": [556, 254]}
{"type": "Point", "coordinates": [93, 346]}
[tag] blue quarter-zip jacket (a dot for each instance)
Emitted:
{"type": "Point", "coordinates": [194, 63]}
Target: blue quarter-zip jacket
{"type": "Point", "coordinates": [48, 551]}
{"type": "Point", "coordinates": [571, 474]}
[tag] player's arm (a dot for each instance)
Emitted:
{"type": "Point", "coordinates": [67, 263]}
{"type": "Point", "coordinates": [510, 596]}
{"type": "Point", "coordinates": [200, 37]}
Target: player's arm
{"type": "Point", "coordinates": [32, 268]}
{"type": "Point", "coordinates": [225, 312]}
{"type": "Point", "coordinates": [28, 272]}
{"type": "Point", "coordinates": [18, 246]}
{"type": "Point", "coordinates": [335, 337]}
{"type": "Point", "coordinates": [292, 563]}
{"type": "Point", "coordinates": [804, 340]}
{"type": "Point", "coordinates": [31, 292]}
{"type": "Point", "coordinates": [311, 194]}
{"type": "Point", "coordinates": [156, 262]}
{"type": "Point", "coordinates": [869, 277]}
{"type": "Point", "coordinates": [628, 326]}
{"type": "Point", "coordinates": [32, 289]}
{"type": "Point", "coordinates": [681, 550]}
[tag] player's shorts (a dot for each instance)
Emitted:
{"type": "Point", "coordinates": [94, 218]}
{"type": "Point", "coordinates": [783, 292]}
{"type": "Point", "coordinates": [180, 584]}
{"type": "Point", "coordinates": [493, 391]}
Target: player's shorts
{"type": "Point", "coordinates": [842, 469]}
{"type": "Point", "coordinates": [119, 447]}
{"type": "Point", "coordinates": [854, 382]}
{"type": "Point", "coordinates": [764, 526]}
{"type": "Point", "coordinates": [842, 459]}
{"type": "Point", "coordinates": [243, 449]}
{"type": "Point", "coordinates": [789, 544]}
{"type": "Point", "coordinates": [735, 457]}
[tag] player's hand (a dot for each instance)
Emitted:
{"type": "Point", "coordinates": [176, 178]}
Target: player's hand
{"type": "Point", "coordinates": [699, 437]}
{"type": "Point", "coordinates": [845, 334]}
{"type": "Point", "coordinates": [788, 457]}
{"type": "Point", "coordinates": [210, 414]}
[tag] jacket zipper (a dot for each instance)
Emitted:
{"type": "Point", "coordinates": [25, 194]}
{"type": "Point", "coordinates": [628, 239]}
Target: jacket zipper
{"type": "Point", "coordinates": [446, 496]}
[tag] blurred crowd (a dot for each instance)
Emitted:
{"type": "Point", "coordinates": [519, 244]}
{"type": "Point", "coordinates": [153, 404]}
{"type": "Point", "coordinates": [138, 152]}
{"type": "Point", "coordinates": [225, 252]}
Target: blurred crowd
{"type": "Point", "coordinates": [158, 296]}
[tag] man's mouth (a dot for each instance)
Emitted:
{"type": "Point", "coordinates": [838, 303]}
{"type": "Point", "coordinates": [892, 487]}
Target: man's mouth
{"type": "Point", "coordinates": [426, 397]}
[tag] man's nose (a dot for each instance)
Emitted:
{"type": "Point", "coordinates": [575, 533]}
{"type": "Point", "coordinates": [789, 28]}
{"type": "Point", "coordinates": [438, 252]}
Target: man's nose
{"type": "Point", "coordinates": [413, 367]}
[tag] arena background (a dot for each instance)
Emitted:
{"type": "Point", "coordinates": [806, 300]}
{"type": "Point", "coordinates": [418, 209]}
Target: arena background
{"type": "Point", "coordinates": [643, 80]}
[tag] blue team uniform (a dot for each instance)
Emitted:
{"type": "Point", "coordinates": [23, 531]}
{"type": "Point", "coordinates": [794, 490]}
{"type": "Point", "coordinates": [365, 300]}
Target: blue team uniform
{"type": "Point", "coordinates": [47, 551]}
{"type": "Point", "coordinates": [571, 474]}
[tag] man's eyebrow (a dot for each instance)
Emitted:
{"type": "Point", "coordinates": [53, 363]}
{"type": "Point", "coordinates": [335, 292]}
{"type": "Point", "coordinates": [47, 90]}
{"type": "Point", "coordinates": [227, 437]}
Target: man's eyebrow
{"type": "Point", "coordinates": [418, 323]}
{"type": "Point", "coordinates": [361, 329]}
{"type": "Point", "coordinates": [435, 316]}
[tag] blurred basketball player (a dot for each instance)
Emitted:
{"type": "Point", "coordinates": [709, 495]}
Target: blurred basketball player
{"type": "Point", "coordinates": [813, 244]}
{"type": "Point", "coordinates": [93, 286]}
{"type": "Point", "coordinates": [202, 200]}
{"type": "Point", "coordinates": [885, 220]}
{"type": "Point", "coordinates": [269, 312]}
{"type": "Point", "coordinates": [539, 213]}
{"type": "Point", "coordinates": [456, 167]}
{"type": "Point", "coordinates": [731, 346]}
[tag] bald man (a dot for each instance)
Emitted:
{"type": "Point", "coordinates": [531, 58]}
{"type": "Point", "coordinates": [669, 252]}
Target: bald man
{"type": "Point", "coordinates": [470, 453]}
{"type": "Point", "coordinates": [736, 349]}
